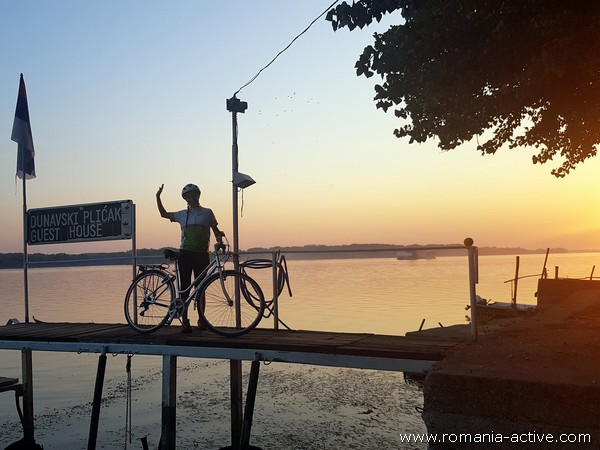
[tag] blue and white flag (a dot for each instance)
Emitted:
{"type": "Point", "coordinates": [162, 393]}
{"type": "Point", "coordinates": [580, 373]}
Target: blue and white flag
{"type": "Point", "coordinates": [21, 134]}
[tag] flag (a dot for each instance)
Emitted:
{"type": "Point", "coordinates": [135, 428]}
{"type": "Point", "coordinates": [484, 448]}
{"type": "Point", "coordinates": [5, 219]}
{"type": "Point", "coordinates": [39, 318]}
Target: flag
{"type": "Point", "coordinates": [21, 134]}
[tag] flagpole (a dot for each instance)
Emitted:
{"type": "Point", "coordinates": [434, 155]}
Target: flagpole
{"type": "Point", "coordinates": [26, 354]}
{"type": "Point", "coordinates": [21, 134]}
{"type": "Point", "coordinates": [25, 253]}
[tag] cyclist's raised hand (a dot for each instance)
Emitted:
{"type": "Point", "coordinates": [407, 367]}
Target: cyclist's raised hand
{"type": "Point", "coordinates": [161, 209]}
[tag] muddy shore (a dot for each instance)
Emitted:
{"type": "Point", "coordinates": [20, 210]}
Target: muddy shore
{"type": "Point", "coordinates": [534, 374]}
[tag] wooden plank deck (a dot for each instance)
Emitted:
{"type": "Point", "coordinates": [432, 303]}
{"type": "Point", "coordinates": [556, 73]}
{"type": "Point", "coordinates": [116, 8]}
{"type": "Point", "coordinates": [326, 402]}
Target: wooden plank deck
{"type": "Point", "coordinates": [313, 347]}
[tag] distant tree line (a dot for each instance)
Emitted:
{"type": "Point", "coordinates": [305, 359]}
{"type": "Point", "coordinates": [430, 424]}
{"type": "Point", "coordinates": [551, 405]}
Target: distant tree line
{"type": "Point", "coordinates": [15, 260]}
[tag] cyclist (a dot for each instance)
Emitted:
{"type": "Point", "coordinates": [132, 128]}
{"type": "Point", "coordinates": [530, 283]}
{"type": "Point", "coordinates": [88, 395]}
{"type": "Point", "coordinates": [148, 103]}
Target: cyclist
{"type": "Point", "coordinates": [196, 222]}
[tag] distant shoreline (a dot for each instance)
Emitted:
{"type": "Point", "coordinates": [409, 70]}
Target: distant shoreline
{"type": "Point", "coordinates": [352, 251]}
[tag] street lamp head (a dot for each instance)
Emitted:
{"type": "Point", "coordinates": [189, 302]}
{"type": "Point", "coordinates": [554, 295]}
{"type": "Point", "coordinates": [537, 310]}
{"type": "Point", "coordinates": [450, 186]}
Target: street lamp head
{"type": "Point", "coordinates": [241, 180]}
{"type": "Point", "coordinates": [235, 105]}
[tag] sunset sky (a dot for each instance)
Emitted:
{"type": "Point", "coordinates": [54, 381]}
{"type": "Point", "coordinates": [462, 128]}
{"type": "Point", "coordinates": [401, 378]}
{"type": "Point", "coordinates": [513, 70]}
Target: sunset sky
{"type": "Point", "coordinates": [127, 95]}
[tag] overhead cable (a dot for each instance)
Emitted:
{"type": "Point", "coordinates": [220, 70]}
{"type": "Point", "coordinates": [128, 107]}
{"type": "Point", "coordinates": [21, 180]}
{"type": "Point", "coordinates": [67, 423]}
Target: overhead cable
{"type": "Point", "coordinates": [288, 46]}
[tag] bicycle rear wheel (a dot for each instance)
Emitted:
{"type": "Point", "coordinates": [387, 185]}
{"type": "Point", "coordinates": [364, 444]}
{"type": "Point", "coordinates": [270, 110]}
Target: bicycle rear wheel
{"type": "Point", "coordinates": [148, 300]}
{"type": "Point", "coordinates": [216, 304]}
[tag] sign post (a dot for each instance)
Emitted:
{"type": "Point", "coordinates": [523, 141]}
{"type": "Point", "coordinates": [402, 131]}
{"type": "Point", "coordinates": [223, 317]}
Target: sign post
{"type": "Point", "coordinates": [65, 224]}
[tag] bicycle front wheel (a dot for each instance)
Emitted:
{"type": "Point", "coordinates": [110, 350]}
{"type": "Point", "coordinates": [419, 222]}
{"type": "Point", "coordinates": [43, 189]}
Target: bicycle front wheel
{"type": "Point", "coordinates": [217, 304]}
{"type": "Point", "coordinates": [148, 300]}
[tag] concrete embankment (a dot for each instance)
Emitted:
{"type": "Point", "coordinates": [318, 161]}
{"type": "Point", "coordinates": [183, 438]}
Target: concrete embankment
{"type": "Point", "coordinates": [531, 382]}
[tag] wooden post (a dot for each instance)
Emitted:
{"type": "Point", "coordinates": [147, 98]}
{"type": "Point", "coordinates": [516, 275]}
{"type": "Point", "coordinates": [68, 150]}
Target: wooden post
{"type": "Point", "coordinates": [250, 401]}
{"type": "Point", "coordinates": [514, 299]}
{"type": "Point", "coordinates": [544, 271]}
{"type": "Point", "coordinates": [473, 280]}
{"type": "Point", "coordinates": [237, 412]}
{"type": "Point", "coordinates": [93, 436]}
{"type": "Point", "coordinates": [27, 375]}
{"type": "Point", "coordinates": [168, 435]}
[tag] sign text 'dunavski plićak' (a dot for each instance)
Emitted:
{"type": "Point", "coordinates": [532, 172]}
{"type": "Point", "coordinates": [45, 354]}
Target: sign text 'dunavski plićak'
{"type": "Point", "coordinates": [79, 223]}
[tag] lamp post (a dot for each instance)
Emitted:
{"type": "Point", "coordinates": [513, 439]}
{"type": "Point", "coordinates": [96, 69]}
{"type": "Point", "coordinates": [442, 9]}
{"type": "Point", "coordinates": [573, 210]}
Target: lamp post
{"type": "Point", "coordinates": [239, 181]}
{"type": "Point", "coordinates": [235, 106]}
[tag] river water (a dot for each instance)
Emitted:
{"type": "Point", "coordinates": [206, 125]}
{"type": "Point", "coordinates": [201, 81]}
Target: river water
{"type": "Point", "coordinates": [298, 406]}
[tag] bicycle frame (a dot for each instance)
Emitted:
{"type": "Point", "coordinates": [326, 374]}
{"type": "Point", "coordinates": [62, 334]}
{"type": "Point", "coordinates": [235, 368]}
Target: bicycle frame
{"type": "Point", "coordinates": [216, 265]}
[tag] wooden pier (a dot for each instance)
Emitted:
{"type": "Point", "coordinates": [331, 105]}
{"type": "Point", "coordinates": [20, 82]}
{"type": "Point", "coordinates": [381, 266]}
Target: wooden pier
{"type": "Point", "coordinates": [352, 350]}
{"type": "Point", "coordinates": [357, 350]}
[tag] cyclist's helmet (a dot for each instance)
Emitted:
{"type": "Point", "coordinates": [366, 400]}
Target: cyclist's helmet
{"type": "Point", "coordinates": [189, 189]}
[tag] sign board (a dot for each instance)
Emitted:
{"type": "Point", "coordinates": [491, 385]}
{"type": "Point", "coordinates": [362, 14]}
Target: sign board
{"type": "Point", "coordinates": [81, 223]}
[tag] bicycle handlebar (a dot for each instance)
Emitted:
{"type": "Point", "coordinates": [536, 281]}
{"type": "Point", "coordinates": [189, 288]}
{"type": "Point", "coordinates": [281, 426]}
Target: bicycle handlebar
{"type": "Point", "coordinates": [220, 245]}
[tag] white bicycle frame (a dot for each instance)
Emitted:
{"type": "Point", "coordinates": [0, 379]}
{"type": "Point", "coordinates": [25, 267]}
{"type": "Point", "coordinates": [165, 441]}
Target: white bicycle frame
{"type": "Point", "coordinates": [215, 266]}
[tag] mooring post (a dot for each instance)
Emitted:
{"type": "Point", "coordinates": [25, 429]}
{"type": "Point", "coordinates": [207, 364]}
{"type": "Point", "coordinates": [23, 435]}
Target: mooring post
{"type": "Point", "coordinates": [544, 271]}
{"type": "Point", "coordinates": [97, 400]}
{"type": "Point", "coordinates": [473, 280]}
{"type": "Point", "coordinates": [168, 436]}
{"type": "Point", "coordinates": [516, 287]}
{"type": "Point", "coordinates": [250, 401]}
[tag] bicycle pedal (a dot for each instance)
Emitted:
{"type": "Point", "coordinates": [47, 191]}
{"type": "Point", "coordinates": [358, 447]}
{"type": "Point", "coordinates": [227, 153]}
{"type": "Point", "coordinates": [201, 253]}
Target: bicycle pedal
{"type": "Point", "coordinates": [186, 327]}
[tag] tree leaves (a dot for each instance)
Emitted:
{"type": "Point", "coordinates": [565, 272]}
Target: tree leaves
{"type": "Point", "coordinates": [524, 73]}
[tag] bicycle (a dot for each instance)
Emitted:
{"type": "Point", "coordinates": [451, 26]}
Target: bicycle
{"type": "Point", "coordinates": [229, 302]}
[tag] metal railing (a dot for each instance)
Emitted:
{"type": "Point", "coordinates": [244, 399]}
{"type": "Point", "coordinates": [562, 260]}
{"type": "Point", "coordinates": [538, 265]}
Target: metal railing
{"type": "Point", "coordinates": [275, 264]}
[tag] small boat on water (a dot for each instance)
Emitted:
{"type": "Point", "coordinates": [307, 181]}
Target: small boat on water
{"type": "Point", "coordinates": [414, 254]}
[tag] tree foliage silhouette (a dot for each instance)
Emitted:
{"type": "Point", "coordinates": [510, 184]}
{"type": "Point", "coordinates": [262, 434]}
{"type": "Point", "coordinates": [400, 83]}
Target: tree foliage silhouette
{"type": "Point", "coordinates": [509, 73]}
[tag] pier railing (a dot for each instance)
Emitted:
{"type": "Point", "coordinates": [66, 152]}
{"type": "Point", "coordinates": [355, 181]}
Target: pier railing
{"type": "Point", "coordinates": [276, 267]}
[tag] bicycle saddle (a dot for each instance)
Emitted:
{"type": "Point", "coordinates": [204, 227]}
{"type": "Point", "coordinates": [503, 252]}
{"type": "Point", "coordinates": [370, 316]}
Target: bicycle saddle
{"type": "Point", "coordinates": [171, 254]}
